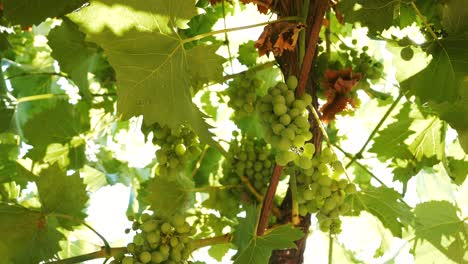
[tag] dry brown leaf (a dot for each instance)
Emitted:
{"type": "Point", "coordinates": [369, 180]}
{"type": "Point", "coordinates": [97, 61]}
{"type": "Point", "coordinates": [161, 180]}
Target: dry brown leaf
{"type": "Point", "coordinates": [278, 37]}
{"type": "Point", "coordinates": [338, 85]}
{"type": "Point", "coordinates": [262, 5]}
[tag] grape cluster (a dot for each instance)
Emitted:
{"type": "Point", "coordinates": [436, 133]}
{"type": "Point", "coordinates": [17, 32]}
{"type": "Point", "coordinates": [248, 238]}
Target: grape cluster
{"type": "Point", "coordinates": [176, 147]}
{"type": "Point", "coordinates": [159, 241]}
{"type": "Point", "coordinates": [248, 157]}
{"type": "Point", "coordinates": [320, 191]}
{"type": "Point", "coordinates": [285, 118]}
{"type": "Point", "coordinates": [242, 94]}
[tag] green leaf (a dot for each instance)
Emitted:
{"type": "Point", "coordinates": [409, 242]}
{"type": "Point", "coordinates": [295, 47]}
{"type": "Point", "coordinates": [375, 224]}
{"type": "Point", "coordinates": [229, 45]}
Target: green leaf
{"type": "Point", "coordinates": [5, 118]}
{"type": "Point", "coordinates": [62, 194]}
{"type": "Point", "coordinates": [122, 15]}
{"type": "Point", "coordinates": [27, 236]}
{"type": "Point", "coordinates": [205, 65]}
{"type": "Point", "coordinates": [455, 16]}
{"type": "Point", "coordinates": [442, 84]}
{"type": "Point", "coordinates": [429, 142]}
{"type": "Point", "coordinates": [58, 124]}
{"type": "Point", "coordinates": [259, 249]}
{"type": "Point", "coordinates": [384, 203]}
{"type": "Point", "coordinates": [72, 53]}
{"type": "Point", "coordinates": [209, 166]}
{"type": "Point", "coordinates": [169, 195]}
{"type": "Point", "coordinates": [457, 170]}
{"type": "Point", "coordinates": [219, 251]}
{"type": "Point", "coordinates": [253, 249]}
{"type": "Point", "coordinates": [438, 223]}
{"type": "Point", "coordinates": [29, 12]}
{"type": "Point", "coordinates": [377, 15]}
{"type": "Point", "coordinates": [248, 54]}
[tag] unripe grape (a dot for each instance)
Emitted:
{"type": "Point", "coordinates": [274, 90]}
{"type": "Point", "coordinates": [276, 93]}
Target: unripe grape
{"type": "Point", "coordinates": [166, 228]}
{"type": "Point", "coordinates": [164, 249]}
{"type": "Point", "coordinates": [292, 82]}
{"type": "Point", "coordinates": [324, 180]}
{"type": "Point", "coordinates": [157, 257]}
{"type": "Point", "coordinates": [153, 237]}
{"type": "Point", "coordinates": [174, 241]}
{"type": "Point", "coordinates": [284, 157]}
{"type": "Point", "coordinates": [304, 163]}
{"type": "Point", "coordinates": [285, 119]}
{"type": "Point", "coordinates": [308, 195]}
{"type": "Point", "coordinates": [149, 225]}
{"type": "Point", "coordinates": [180, 149]}
{"type": "Point", "coordinates": [350, 188]}
{"type": "Point", "coordinates": [178, 220]}
{"type": "Point", "coordinates": [280, 109]}
{"type": "Point", "coordinates": [127, 260]}
{"type": "Point", "coordinates": [145, 257]}
{"type": "Point", "coordinates": [138, 239]}
{"type": "Point", "coordinates": [407, 53]}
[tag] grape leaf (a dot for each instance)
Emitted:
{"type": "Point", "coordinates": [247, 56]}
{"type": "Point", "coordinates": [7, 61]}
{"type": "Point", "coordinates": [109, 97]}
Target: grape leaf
{"type": "Point", "coordinates": [248, 54]}
{"type": "Point", "coordinates": [384, 203]}
{"type": "Point", "coordinates": [253, 249]}
{"type": "Point", "coordinates": [169, 195]}
{"type": "Point", "coordinates": [205, 65]}
{"type": "Point", "coordinates": [442, 84]}
{"type": "Point", "coordinates": [62, 194]}
{"type": "Point", "coordinates": [219, 251]}
{"type": "Point", "coordinates": [29, 12]}
{"type": "Point", "coordinates": [209, 166]}
{"type": "Point", "coordinates": [27, 236]}
{"type": "Point", "coordinates": [72, 52]}
{"type": "Point", "coordinates": [259, 249]}
{"type": "Point", "coordinates": [122, 15]}
{"type": "Point", "coordinates": [58, 124]}
{"type": "Point", "coordinates": [455, 16]}
{"type": "Point", "coordinates": [5, 118]}
{"type": "Point", "coordinates": [377, 15]}
{"type": "Point", "coordinates": [438, 223]}
{"type": "Point", "coordinates": [457, 169]}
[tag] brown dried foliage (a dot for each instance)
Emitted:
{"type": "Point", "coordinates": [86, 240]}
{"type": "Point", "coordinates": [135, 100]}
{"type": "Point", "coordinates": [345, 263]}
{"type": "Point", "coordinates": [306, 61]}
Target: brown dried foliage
{"type": "Point", "coordinates": [278, 37]}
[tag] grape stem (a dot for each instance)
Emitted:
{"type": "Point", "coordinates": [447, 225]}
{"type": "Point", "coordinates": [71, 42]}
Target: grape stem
{"type": "Point", "coordinates": [311, 47]}
{"type": "Point", "coordinates": [224, 239]}
{"type": "Point", "coordinates": [200, 159]}
{"type": "Point", "coordinates": [330, 248]}
{"type": "Point", "coordinates": [257, 68]}
{"type": "Point", "coordinates": [268, 200]}
{"type": "Point", "coordinates": [103, 253]}
{"type": "Point", "coordinates": [295, 207]}
{"type": "Point", "coordinates": [259, 196]}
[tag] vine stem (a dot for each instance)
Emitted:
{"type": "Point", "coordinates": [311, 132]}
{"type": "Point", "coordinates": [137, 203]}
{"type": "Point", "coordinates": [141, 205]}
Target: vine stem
{"type": "Point", "coordinates": [423, 19]}
{"type": "Point", "coordinates": [38, 97]}
{"type": "Point", "coordinates": [199, 161]}
{"type": "Point", "coordinates": [330, 248]}
{"type": "Point", "coordinates": [311, 46]}
{"type": "Point", "coordinates": [208, 34]}
{"type": "Point", "coordinates": [268, 200]}
{"type": "Point", "coordinates": [295, 206]}
{"type": "Point", "coordinates": [224, 239]}
{"type": "Point", "coordinates": [358, 155]}
{"type": "Point", "coordinates": [103, 253]}
{"type": "Point", "coordinates": [259, 196]}
{"type": "Point", "coordinates": [212, 188]}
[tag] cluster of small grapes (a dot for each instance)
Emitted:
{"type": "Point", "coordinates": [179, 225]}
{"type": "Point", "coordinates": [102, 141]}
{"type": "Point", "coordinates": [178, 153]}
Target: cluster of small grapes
{"type": "Point", "coordinates": [242, 94]}
{"type": "Point", "coordinates": [248, 157]}
{"type": "Point", "coordinates": [320, 191]}
{"type": "Point", "coordinates": [362, 62]}
{"type": "Point", "coordinates": [177, 146]}
{"type": "Point", "coordinates": [285, 118]}
{"type": "Point", "coordinates": [158, 241]}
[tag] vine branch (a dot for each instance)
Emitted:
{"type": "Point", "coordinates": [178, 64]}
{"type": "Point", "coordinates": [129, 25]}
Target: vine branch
{"type": "Point", "coordinates": [103, 253]}
{"type": "Point", "coordinates": [224, 239]}
{"type": "Point", "coordinates": [268, 200]}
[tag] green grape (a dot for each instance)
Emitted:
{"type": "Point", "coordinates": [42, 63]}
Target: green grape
{"type": "Point", "coordinates": [157, 257]}
{"type": "Point", "coordinates": [178, 220]}
{"type": "Point", "coordinates": [308, 195]}
{"type": "Point", "coordinates": [153, 237]}
{"type": "Point", "coordinates": [350, 188]}
{"type": "Point", "coordinates": [127, 260]}
{"type": "Point", "coordinates": [280, 109]}
{"type": "Point", "coordinates": [149, 225]}
{"type": "Point", "coordinates": [138, 239]}
{"type": "Point", "coordinates": [176, 256]}
{"type": "Point", "coordinates": [304, 163]}
{"type": "Point", "coordinates": [174, 241]}
{"type": "Point", "coordinates": [242, 96]}
{"type": "Point", "coordinates": [284, 157]}
{"type": "Point", "coordinates": [407, 53]}
{"type": "Point", "coordinates": [180, 149]}
{"type": "Point", "coordinates": [166, 228]}
{"type": "Point", "coordinates": [292, 82]}
{"type": "Point", "coordinates": [164, 249]}
{"type": "Point", "coordinates": [145, 257]}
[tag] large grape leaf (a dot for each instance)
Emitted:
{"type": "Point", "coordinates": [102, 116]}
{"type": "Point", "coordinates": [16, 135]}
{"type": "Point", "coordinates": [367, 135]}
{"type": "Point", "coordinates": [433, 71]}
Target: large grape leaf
{"type": "Point", "coordinates": [413, 141]}
{"type": "Point", "coordinates": [443, 84]}
{"type": "Point", "coordinates": [62, 194]}
{"type": "Point", "coordinates": [27, 236]}
{"type": "Point", "coordinates": [438, 223]}
{"type": "Point", "coordinates": [72, 52]}
{"type": "Point", "coordinates": [455, 16]}
{"type": "Point", "coordinates": [154, 70]}
{"type": "Point", "coordinates": [58, 124]}
{"type": "Point", "coordinates": [122, 15]}
{"type": "Point", "coordinates": [29, 12]}
{"type": "Point", "coordinates": [384, 203]}
{"type": "Point", "coordinates": [169, 195]}
{"type": "Point", "coordinates": [253, 249]}
{"type": "Point", "coordinates": [377, 15]}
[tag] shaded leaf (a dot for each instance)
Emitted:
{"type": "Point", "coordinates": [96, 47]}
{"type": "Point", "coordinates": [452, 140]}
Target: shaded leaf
{"type": "Point", "coordinates": [169, 195]}
{"type": "Point", "coordinates": [29, 12]}
{"type": "Point", "coordinates": [438, 223]}
{"type": "Point", "coordinates": [72, 52]}
{"type": "Point", "coordinates": [27, 236]}
{"type": "Point", "coordinates": [384, 203]}
{"type": "Point", "coordinates": [62, 194]}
